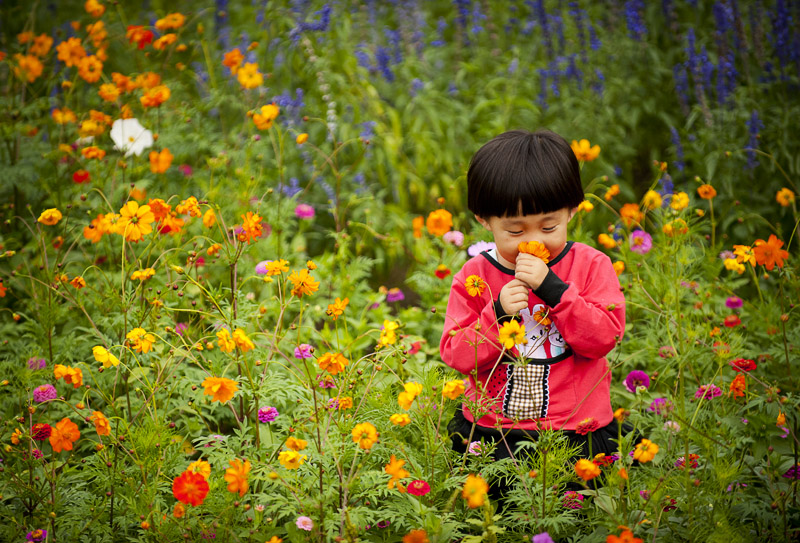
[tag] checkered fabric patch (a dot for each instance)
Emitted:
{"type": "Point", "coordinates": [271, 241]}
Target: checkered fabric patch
{"type": "Point", "coordinates": [526, 392]}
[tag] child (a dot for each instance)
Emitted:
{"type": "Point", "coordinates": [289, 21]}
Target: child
{"type": "Point", "coordinates": [522, 187]}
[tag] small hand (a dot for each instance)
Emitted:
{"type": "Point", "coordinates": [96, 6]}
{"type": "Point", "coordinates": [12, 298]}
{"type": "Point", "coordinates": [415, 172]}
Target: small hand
{"type": "Point", "coordinates": [514, 296]}
{"type": "Point", "coordinates": [530, 270]}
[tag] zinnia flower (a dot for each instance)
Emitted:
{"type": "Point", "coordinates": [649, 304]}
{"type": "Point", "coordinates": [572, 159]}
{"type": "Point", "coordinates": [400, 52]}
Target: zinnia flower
{"type": "Point", "coordinates": [475, 491]}
{"type": "Point", "coordinates": [708, 391]}
{"type": "Point", "coordinates": [36, 536]}
{"type": "Point", "coordinates": [236, 476]}
{"type": "Point", "coordinates": [220, 389]}
{"type": "Point", "coordinates": [44, 393]}
{"type": "Point", "coordinates": [418, 488]}
{"type": "Point", "coordinates": [267, 414]}
{"type": "Point", "coordinates": [584, 150]}
{"type": "Point", "coordinates": [743, 365]}
{"type": "Point", "coordinates": [365, 434]}
{"type": "Point", "coordinates": [190, 488]}
{"type": "Point", "coordinates": [635, 379]}
{"type": "Point", "coordinates": [41, 431]}
{"type": "Point", "coordinates": [587, 425]}
{"type": "Point", "coordinates": [304, 350]}
{"type": "Point", "coordinates": [305, 523]}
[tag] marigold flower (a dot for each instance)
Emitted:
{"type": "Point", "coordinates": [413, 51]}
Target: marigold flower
{"type": "Point", "coordinates": [101, 423]}
{"type": "Point", "coordinates": [94, 8]}
{"type": "Point", "coordinates": [160, 161]}
{"type": "Point", "coordinates": [233, 60]}
{"type": "Point", "coordinates": [612, 191]}
{"type": "Point", "coordinates": [586, 469]}
{"type": "Point", "coordinates": [475, 285]}
{"type": "Point", "coordinates": [269, 113]}
{"type": "Point", "coordinates": [41, 45]}
{"type": "Point", "coordinates": [631, 215]}
{"type": "Point", "coordinates": [93, 152]}
{"type": "Point", "coordinates": [453, 389]}
{"type": "Point", "coordinates": [365, 434]}
{"type": "Point", "coordinates": [706, 192]}
{"type": "Point", "coordinates": [249, 76]}
{"type": "Point", "coordinates": [333, 363]}
{"type": "Point", "coordinates": [652, 200]}
{"type": "Point", "coordinates": [679, 201]}
{"type": "Point", "coordinates": [536, 249]}
{"type": "Point", "coordinates": [90, 69]}
{"type": "Point", "coordinates": [439, 222]}
{"type": "Point", "coordinates": [50, 217]}
{"type": "Point", "coordinates": [475, 491]}
{"type": "Point", "coordinates": [155, 96]}
{"type": "Point", "coordinates": [242, 341]}
{"type": "Point", "coordinates": [388, 333]}
{"type": "Point", "coordinates": [769, 253]}
{"type": "Point", "coordinates": [625, 537]}
{"type": "Point", "coordinates": [141, 340]}
{"type": "Point", "coordinates": [220, 389]}
{"type": "Point", "coordinates": [28, 67]}
{"type": "Point", "coordinates": [303, 283]}
{"type": "Point", "coordinates": [200, 466]}
{"type": "Point", "coordinates": [337, 307]}
{"type": "Point", "coordinates": [291, 459]}
{"type": "Point", "coordinates": [645, 451]}
{"type": "Point", "coordinates": [512, 333]}
{"type": "Point", "coordinates": [738, 386]}
{"type": "Point", "coordinates": [179, 511]}
{"type": "Point", "coordinates": [395, 469]}
{"type": "Point", "coordinates": [400, 419]}
{"type": "Point", "coordinates": [190, 488]}
{"type": "Point", "coordinates": [70, 52]}
{"type": "Point", "coordinates": [416, 536]}
{"type": "Point", "coordinates": [73, 376]}
{"type": "Point", "coordinates": [236, 476]}
{"type": "Point", "coordinates": [584, 150]}
{"type": "Point", "coordinates": [785, 197]}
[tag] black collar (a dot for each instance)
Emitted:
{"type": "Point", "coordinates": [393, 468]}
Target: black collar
{"type": "Point", "coordinates": [509, 271]}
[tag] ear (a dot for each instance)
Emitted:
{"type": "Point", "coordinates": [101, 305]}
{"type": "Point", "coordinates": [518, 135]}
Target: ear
{"type": "Point", "coordinates": [572, 212]}
{"type": "Point", "coordinates": [483, 222]}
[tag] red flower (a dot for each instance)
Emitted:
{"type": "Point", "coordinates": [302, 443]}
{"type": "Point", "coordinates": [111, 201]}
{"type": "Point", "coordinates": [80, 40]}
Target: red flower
{"type": "Point", "coordinates": [190, 487]}
{"type": "Point", "coordinates": [41, 431]}
{"type": "Point", "coordinates": [738, 386]}
{"type": "Point", "coordinates": [415, 347]}
{"type": "Point", "coordinates": [138, 35]}
{"type": "Point", "coordinates": [743, 364]}
{"type": "Point", "coordinates": [732, 321]}
{"type": "Point", "coordinates": [418, 488]}
{"type": "Point", "coordinates": [442, 271]}
{"type": "Point", "coordinates": [81, 176]}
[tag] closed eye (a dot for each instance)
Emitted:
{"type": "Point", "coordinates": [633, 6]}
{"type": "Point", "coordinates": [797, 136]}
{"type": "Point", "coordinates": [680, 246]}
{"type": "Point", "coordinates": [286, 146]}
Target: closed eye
{"type": "Point", "coordinates": [514, 233]}
{"type": "Point", "coordinates": [548, 229]}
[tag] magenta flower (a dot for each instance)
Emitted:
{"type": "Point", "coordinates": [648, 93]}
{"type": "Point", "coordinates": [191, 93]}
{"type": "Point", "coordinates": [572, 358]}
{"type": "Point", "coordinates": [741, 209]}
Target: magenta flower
{"type": "Point", "coordinates": [708, 391]}
{"type": "Point", "coordinates": [303, 351]}
{"type": "Point", "coordinates": [305, 523]}
{"type": "Point", "coordinates": [477, 248]}
{"type": "Point", "coordinates": [180, 328]}
{"type": "Point", "coordinates": [304, 211]}
{"type": "Point", "coordinates": [267, 414]}
{"type": "Point", "coordinates": [395, 295]}
{"type": "Point", "coordinates": [661, 406]}
{"type": "Point", "coordinates": [572, 500]}
{"type": "Point", "coordinates": [36, 535]}
{"type": "Point", "coordinates": [185, 169]}
{"type": "Point", "coordinates": [641, 242]}
{"type": "Point", "coordinates": [635, 379]}
{"type": "Point", "coordinates": [543, 537]}
{"type": "Point", "coordinates": [418, 488]}
{"type": "Point", "coordinates": [474, 448]}
{"type": "Point", "coordinates": [44, 393]}
{"type": "Point", "coordinates": [455, 237]}
{"type": "Point", "coordinates": [733, 302]}
{"type": "Point", "coordinates": [793, 472]}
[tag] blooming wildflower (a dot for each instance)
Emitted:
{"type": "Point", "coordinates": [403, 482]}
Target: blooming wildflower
{"type": "Point", "coordinates": [139, 35]}
{"type": "Point", "coordinates": [645, 451]}
{"type": "Point", "coordinates": [769, 253]}
{"type": "Point", "coordinates": [305, 523]}
{"type": "Point", "coordinates": [242, 341]}
{"type": "Point", "coordinates": [679, 201]}
{"type": "Point", "coordinates": [600, 459]}
{"type": "Point", "coordinates": [587, 425]}
{"type": "Point", "coordinates": [630, 214]}
{"type": "Point", "coordinates": [388, 334]}
{"type": "Point", "coordinates": [50, 217]}
{"type": "Point", "coordinates": [744, 254]}
{"type": "Point", "coordinates": [64, 435]}
{"type": "Point", "coordinates": [733, 302]}
{"type": "Point", "coordinates": [652, 200]}
{"type": "Point", "coordinates": [732, 321]}
{"type": "Point", "coordinates": [475, 491]}
{"type": "Point", "coordinates": [251, 226]}
{"type": "Point", "coordinates": [303, 283]}
{"type": "Point", "coordinates": [418, 488]}
{"type": "Point", "coordinates": [236, 476]}
{"type": "Point", "coordinates": [301, 138]}
{"type": "Point", "coordinates": [179, 511]}
{"type": "Point", "coordinates": [249, 76]}
{"type": "Point", "coordinates": [101, 423]}
{"type": "Point", "coordinates": [70, 52]}
{"type": "Point", "coordinates": [416, 225]}
{"type": "Point", "coordinates": [200, 466]}
{"type": "Point", "coordinates": [743, 365]}
{"type": "Point", "coordinates": [276, 267]}
{"type": "Point", "coordinates": [512, 333]}
{"type": "Point", "coordinates": [233, 60]}
{"type": "Point", "coordinates": [785, 197]}
{"type": "Point", "coordinates": [543, 537]}
{"type": "Point", "coordinates": [90, 69]}
{"type": "Point", "coordinates": [479, 247]}
{"type": "Point", "coordinates": [41, 431]}
{"type": "Point", "coordinates": [708, 391]}
{"type": "Point", "coordinates": [454, 237]}
{"type": "Point", "coordinates": [641, 242]}
{"type": "Point", "coordinates": [409, 394]}
{"type": "Point", "coordinates": [733, 265]}
{"type": "Point", "coordinates": [225, 341]}
{"type": "Point", "coordinates": [625, 537]}
{"type": "Point", "coordinates": [416, 536]}
{"type": "Point", "coordinates": [693, 458]}
{"type": "Point", "coordinates": [365, 434]}
{"type": "Point", "coordinates": [586, 206]}
{"type": "Point", "coordinates": [793, 472]}
{"type": "Point", "coordinates": [677, 226]}
{"type": "Point", "coordinates": [141, 340]}
{"type": "Point", "coordinates": [661, 406]}
{"type": "Point", "coordinates": [267, 414]}
{"type": "Point", "coordinates": [190, 206]}
{"type": "Point", "coordinates": [155, 96]}
{"type": "Point", "coordinates": [400, 419]}
{"type": "Point", "coordinates": [738, 386]}
{"type": "Point", "coordinates": [584, 150]}
{"type": "Point", "coordinates": [666, 351]}
{"type": "Point", "coordinates": [606, 241]}
{"type": "Point", "coordinates": [781, 419]}
{"type": "Point", "coordinates": [28, 67]}
{"type": "Point", "coordinates": [572, 500]}
{"type": "Point", "coordinates": [304, 211]}
{"type": "Point", "coordinates": [395, 295]}
{"type": "Point", "coordinates": [160, 160]}
{"type": "Point", "coordinates": [333, 363]}
{"type": "Point", "coordinates": [453, 389]}
{"type": "Point", "coordinates": [439, 222]}
{"type": "Point", "coordinates": [130, 137]}
{"type": "Point", "coordinates": [636, 378]}
{"type": "Point", "coordinates": [70, 375]}
{"type": "Point", "coordinates": [44, 393]}
{"type": "Point", "coordinates": [345, 402]}
{"type": "Point", "coordinates": [36, 536]}
{"type": "Point", "coordinates": [190, 488]}
{"type": "Point", "coordinates": [619, 267]}
{"type": "Point", "coordinates": [706, 192]}
{"type": "Point", "coordinates": [209, 218]}
{"type": "Point", "coordinates": [337, 307]}
{"type": "Point", "coordinates": [143, 275]}
{"type": "Point", "coordinates": [475, 285]}
{"type": "Point", "coordinates": [63, 116]}
{"type": "Point", "coordinates": [612, 191]}
{"type": "Point", "coordinates": [442, 271]}
{"type": "Point", "coordinates": [304, 350]}
{"type": "Point", "coordinates": [395, 469]}
{"type": "Point", "coordinates": [269, 113]}
{"type": "Point", "coordinates": [37, 363]}
{"type": "Point", "coordinates": [220, 389]}
{"type": "Point", "coordinates": [536, 249]}
{"type": "Point", "coordinates": [135, 221]}
{"type": "Point", "coordinates": [586, 469]}
{"type": "Point", "coordinates": [296, 444]}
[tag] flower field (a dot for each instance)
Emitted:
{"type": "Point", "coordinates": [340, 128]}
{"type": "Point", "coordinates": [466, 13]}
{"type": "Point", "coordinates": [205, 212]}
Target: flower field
{"type": "Point", "coordinates": [228, 232]}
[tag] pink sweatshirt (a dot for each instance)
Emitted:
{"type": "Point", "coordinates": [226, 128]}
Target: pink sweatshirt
{"type": "Point", "coordinates": [572, 322]}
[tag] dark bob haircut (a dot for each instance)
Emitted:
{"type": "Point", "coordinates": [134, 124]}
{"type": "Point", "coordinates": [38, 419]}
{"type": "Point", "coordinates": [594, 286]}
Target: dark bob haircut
{"type": "Point", "coordinates": [521, 171]}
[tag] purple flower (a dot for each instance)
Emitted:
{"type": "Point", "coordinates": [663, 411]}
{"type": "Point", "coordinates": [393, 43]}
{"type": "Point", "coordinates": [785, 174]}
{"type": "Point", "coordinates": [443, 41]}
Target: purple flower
{"type": "Point", "coordinates": [304, 211]}
{"type": "Point", "coordinates": [44, 393]}
{"type": "Point", "coordinates": [325, 381]}
{"type": "Point", "coordinates": [383, 524]}
{"type": "Point", "coordinates": [477, 248]}
{"type": "Point", "coordinates": [635, 379]}
{"type": "Point", "coordinates": [572, 500]}
{"type": "Point", "coordinates": [261, 267]}
{"type": "Point", "coordinates": [641, 242]}
{"type": "Point", "coordinates": [725, 255]}
{"type": "Point", "coordinates": [745, 421]}
{"type": "Point", "coordinates": [543, 537]}
{"type": "Point", "coordinates": [304, 523]}
{"type": "Point", "coordinates": [36, 535]}
{"type": "Point", "coordinates": [733, 302]}
{"type": "Point", "coordinates": [395, 294]}
{"type": "Point", "coordinates": [455, 237]}
{"type": "Point", "coordinates": [645, 494]}
{"type": "Point", "coordinates": [37, 363]}
{"type": "Point", "coordinates": [303, 351]}
{"type": "Point", "coordinates": [793, 472]}
{"type": "Point", "coordinates": [661, 406]}
{"type": "Point", "coordinates": [267, 414]}
{"type": "Point", "coordinates": [708, 391]}
{"type": "Point", "coordinates": [180, 328]}
{"type": "Point", "coordinates": [333, 404]}
{"type": "Point", "coordinates": [37, 454]}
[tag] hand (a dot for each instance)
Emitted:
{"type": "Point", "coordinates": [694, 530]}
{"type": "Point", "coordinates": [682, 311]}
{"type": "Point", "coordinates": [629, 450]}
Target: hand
{"type": "Point", "coordinates": [514, 296]}
{"type": "Point", "coordinates": [530, 270]}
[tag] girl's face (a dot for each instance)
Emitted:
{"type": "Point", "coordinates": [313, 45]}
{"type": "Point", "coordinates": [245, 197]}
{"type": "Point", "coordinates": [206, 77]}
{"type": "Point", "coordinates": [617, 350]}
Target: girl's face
{"type": "Point", "coordinates": [547, 228]}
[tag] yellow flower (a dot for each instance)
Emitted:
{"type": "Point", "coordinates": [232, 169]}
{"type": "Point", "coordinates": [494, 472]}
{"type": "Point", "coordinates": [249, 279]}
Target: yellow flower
{"type": "Point", "coordinates": [291, 459]}
{"type": "Point", "coordinates": [189, 206]}
{"type": "Point", "coordinates": [785, 197]}
{"type": "Point", "coordinates": [209, 218]}
{"type": "Point", "coordinates": [606, 241]}
{"type": "Point", "coordinates": [295, 444]}
{"type": "Point", "coordinates": [200, 466]}
{"type": "Point", "coordinates": [619, 267]}
{"type": "Point", "coordinates": [155, 96]}
{"type": "Point", "coordinates": [645, 451]}
{"type": "Point", "coordinates": [141, 340]}
{"type": "Point", "coordinates": [620, 414]}
{"type": "Point", "coordinates": [734, 265]}
{"type": "Point", "coordinates": [512, 333]}
{"type": "Point", "coordinates": [277, 266]}
{"type": "Point", "coordinates": [269, 113]}
{"type": "Point", "coordinates": [475, 285]}
{"type": "Point", "coordinates": [93, 152]}
{"type": "Point", "coordinates": [249, 76]}
{"type": "Point", "coordinates": [400, 419]}
{"type": "Point", "coordinates": [94, 8]}
{"type": "Point", "coordinates": [679, 201]}
{"type": "Point", "coordinates": [301, 138]}
{"type": "Point", "coordinates": [165, 41]}
{"type": "Point", "coordinates": [310, 265]}
{"type": "Point", "coordinates": [109, 92]}
{"type": "Point", "coordinates": [337, 307]}
{"type": "Point", "coordinates": [652, 200]}
{"type": "Point", "coordinates": [50, 217]}
{"type": "Point", "coordinates": [365, 434]}
{"type": "Point", "coordinates": [586, 206]}
{"type": "Point", "coordinates": [586, 469]}
{"type": "Point", "coordinates": [475, 491]}
{"type": "Point", "coordinates": [303, 283]}
{"type": "Point", "coordinates": [143, 275]}
{"type": "Point", "coordinates": [236, 476]}
{"type": "Point", "coordinates": [135, 221]}
{"type": "Point", "coordinates": [677, 226]}
{"type": "Point", "coordinates": [409, 394]}
{"type": "Point", "coordinates": [453, 389]}
{"type": "Point", "coordinates": [744, 254]}
{"type": "Point", "coordinates": [584, 150]}
{"type": "Point", "coordinates": [706, 192]}
{"type": "Point", "coordinates": [171, 22]}
{"type": "Point", "coordinates": [388, 334]}
{"type": "Point", "coordinates": [226, 343]}
{"type": "Point", "coordinates": [221, 389]}
{"type": "Point", "coordinates": [439, 222]}
{"type": "Point", "coordinates": [333, 363]}
{"type": "Point", "coordinates": [345, 402]}
{"type": "Point", "coordinates": [242, 341]}
{"type": "Point", "coordinates": [64, 116]}
{"type": "Point", "coordinates": [102, 355]}
{"type": "Point", "coordinates": [612, 191]}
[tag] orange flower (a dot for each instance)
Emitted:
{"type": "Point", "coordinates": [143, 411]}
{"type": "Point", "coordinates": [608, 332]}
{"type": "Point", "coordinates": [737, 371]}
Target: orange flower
{"type": "Point", "coordinates": [93, 152]}
{"type": "Point", "coordinates": [135, 221]}
{"type": "Point", "coordinates": [475, 285]}
{"type": "Point", "coordinates": [64, 116]}
{"type": "Point", "coordinates": [652, 200]}
{"type": "Point", "coordinates": [645, 451]}
{"type": "Point", "coordinates": [584, 150]}
{"type": "Point", "coordinates": [475, 490]}
{"type": "Point", "coordinates": [101, 423]}
{"type": "Point", "coordinates": [738, 386]}
{"type": "Point", "coordinates": [220, 389]}
{"type": "Point", "coordinates": [123, 82]}
{"type": "Point", "coordinates": [63, 435]}
{"type": "Point", "coordinates": [90, 69]}
{"type": "Point", "coordinates": [269, 113]}
{"type": "Point", "coordinates": [785, 197]}
{"type": "Point", "coordinates": [109, 92]}
{"type": "Point", "coordinates": [160, 161]}
{"type": "Point", "coordinates": [225, 341]}
{"type": "Point", "coordinates": [400, 419]}
{"type": "Point", "coordinates": [301, 138]}
{"type": "Point", "coordinates": [165, 41]}
{"type": "Point", "coordinates": [395, 469]}
{"type": "Point", "coordinates": [70, 52]}
{"type": "Point", "coordinates": [337, 307]}
{"type": "Point", "coordinates": [416, 536]}
{"type": "Point", "coordinates": [296, 444]}
{"type": "Point", "coordinates": [586, 469]}
{"type": "Point", "coordinates": [209, 218]}
{"type": "Point", "coordinates": [155, 96]}
{"type": "Point", "coordinates": [233, 60]}
{"type": "Point", "coordinates": [78, 282]}
{"type": "Point", "coordinates": [365, 434]}
{"type": "Point", "coordinates": [536, 249]}
{"type": "Point", "coordinates": [242, 341]}
{"type": "Point", "coordinates": [769, 253]}
{"type": "Point", "coordinates": [190, 488]}
{"type": "Point", "coordinates": [630, 214]}
{"type": "Point", "coordinates": [251, 224]}
{"type": "Point", "coordinates": [73, 376]}
{"type": "Point", "coordinates": [333, 363]}
{"type": "Point", "coordinates": [416, 224]}
{"type": "Point", "coordinates": [50, 217]}
{"type": "Point", "coordinates": [619, 267]}
{"type": "Point", "coordinates": [94, 232]}
{"type": "Point", "coordinates": [189, 206]}
{"type": "Point", "coordinates": [171, 22]}
{"type": "Point", "coordinates": [179, 510]}
{"type": "Point", "coordinates": [439, 222]}
{"type": "Point", "coordinates": [24, 37]}
{"type": "Point", "coordinates": [97, 31]}
{"type": "Point", "coordinates": [28, 67]}
{"type": "Point", "coordinates": [625, 537]}
{"type": "Point", "coordinates": [236, 476]}
{"type": "Point", "coordinates": [148, 80]}
{"type": "Point", "coordinates": [139, 35]}
{"type": "Point", "coordinates": [94, 8]}
{"type": "Point", "coordinates": [303, 283]}
{"type": "Point", "coordinates": [249, 76]}
{"type": "Point", "coordinates": [612, 191]}
{"type": "Point", "coordinates": [706, 192]}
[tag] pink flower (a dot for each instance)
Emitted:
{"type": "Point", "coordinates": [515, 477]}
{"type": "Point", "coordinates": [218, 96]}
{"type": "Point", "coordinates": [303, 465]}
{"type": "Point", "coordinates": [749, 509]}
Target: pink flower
{"type": "Point", "coordinates": [304, 211]}
{"type": "Point", "coordinates": [418, 488]}
{"type": "Point", "coordinates": [305, 523]}
{"type": "Point", "coordinates": [185, 169]}
{"type": "Point", "coordinates": [44, 393]}
{"type": "Point", "coordinates": [733, 302]}
{"type": "Point", "coordinates": [303, 351]}
{"type": "Point", "coordinates": [708, 391]}
{"type": "Point", "coordinates": [474, 448]}
{"type": "Point", "coordinates": [455, 237]}
{"type": "Point", "coordinates": [572, 500]}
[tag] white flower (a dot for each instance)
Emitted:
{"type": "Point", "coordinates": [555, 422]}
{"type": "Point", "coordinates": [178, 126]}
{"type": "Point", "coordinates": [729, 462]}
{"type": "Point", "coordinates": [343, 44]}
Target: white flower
{"type": "Point", "coordinates": [131, 137]}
